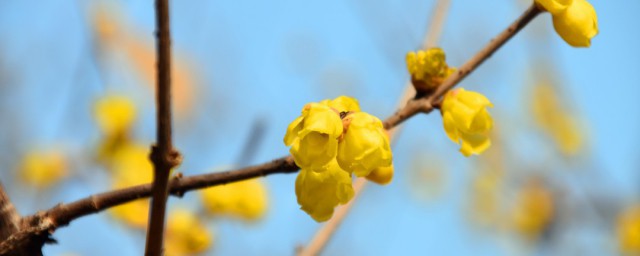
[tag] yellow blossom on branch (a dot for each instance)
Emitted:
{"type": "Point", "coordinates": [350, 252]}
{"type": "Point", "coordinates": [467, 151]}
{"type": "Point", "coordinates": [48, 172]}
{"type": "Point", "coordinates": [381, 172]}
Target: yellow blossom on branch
{"type": "Point", "coordinates": [313, 136]}
{"type": "Point", "coordinates": [186, 234]}
{"type": "Point", "coordinates": [364, 145]}
{"type": "Point", "coordinates": [467, 121]}
{"type": "Point", "coordinates": [628, 230]}
{"type": "Point", "coordinates": [319, 192]}
{"type": "Point", "coordinates": [247, 199]}
{"type": "Point", "coordinates": [428, 69]}
{"type": "Point", "coordinates": [114, 114]}
{"type": "Point", "coordinates": [131, 166]}
{"type": "Point", "coordinates": [42, 169]}
{"type": "Point", "coordinates": [574, 20]}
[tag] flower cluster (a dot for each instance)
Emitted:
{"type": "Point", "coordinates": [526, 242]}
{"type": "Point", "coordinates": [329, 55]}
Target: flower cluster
{"type": "Point", "coordinates": [574, 20]}
{"type": "Point", "coordinates": [467, 120]}
{"type": "Point", "coordinates": [428, 69]}
{"type": "Point", "coordinates": [330, 141]}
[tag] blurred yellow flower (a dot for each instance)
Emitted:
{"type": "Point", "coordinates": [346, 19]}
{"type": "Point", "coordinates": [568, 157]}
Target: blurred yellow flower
{"type": "Point", "coordinates": [574, 20]}
{"type": "Point", "coordinates": [364, 145]}
{"type": "Point", "coordinates": [131, 166]}
{"type": "Point", "coordinates": [342, 104]}
{"type": "Point", "coordinates": [313, 136]}
{"type": "Point", "coordinates": [247, 199]}
{"type": "Point", "coordinates": [114, 114]}
{"type": "Point", "coordinates": [186, 234]}
{"type": "Point", "coordinates": [428, 69]}
{"type": "Point", "coordinates": [533, 210]}
{"type": "Point", "coordinates": [42, 169]}
{"type": "Point", "coordinates": [466, 119]}
{"type": "Point", "coordinates": [319, 192]}
{"type": "Point", "coordinates": [381, 175]}
{"type": "Point", "coordinates": [628, 230]}
{"type": "Point", "coordinates": [550, 114]}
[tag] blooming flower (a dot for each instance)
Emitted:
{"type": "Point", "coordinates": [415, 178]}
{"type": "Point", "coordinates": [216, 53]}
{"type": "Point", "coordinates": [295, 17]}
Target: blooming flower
{"type": "Point", "coordinates": [466, 119]}
{"type": "Point", "coordinates": [313, 136]}
{"type": "Point", "coordinates": [131, 166]}
{"type": "Point", "coordinates": [114, 114]}
{"type": "Point", "coordinates": [428, 69]}
{"type": "Point", "coordinates": [364, 145]}
{"type": "Point", "coordinates": [319, 192]}
{"type": "Point", "coordinates": [628, 230]}
{"type": "Point", "coordinates": [574, 20]}
{"type": "Point", "coordinates": [186, 234]}
{"type": "Point", "coordinates": [42, 169]}
{"type": "Point", "coordinates": [246, 199]}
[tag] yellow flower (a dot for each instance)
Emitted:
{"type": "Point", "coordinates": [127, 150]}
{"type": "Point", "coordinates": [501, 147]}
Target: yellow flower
{"type": "Point", "coordinates": [574, 20]}
{"type": "Point", "coordinates": [534, 209]}
{"type": "Point", "coordinates": [186, 234]}
{"type": "Point", "coordinates": [132, 167]}
{"type": "Point", "coordinates": [381, 175]}
{"type": "Point", "coordinates": [428, 69]}
{"type": "Point", "coordinates": [466, 119]}
{"type": "Point", "coordinates": [114, 114]}
{"type": "Point", "coordinates": [41, 169]}
{"type": "Point", "coordinates": [319, 192]}
{"type": "Point", "coordinates": [364, 145]}
{"type": "Point", "coordinates": [553, 118]}
{"type": "Point", "coordinates": [628, 231]}
{"type": "Point", "coordinates": [313, 136]}
{"type": "Point", "coordinates": [343, 104]}
{"type": "Point", "coordinates": [246, 199]}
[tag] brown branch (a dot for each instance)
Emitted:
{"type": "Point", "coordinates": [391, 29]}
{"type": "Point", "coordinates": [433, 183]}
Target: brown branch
{"type": "Point", "coordinates": [63, 214]}
{"type": "Point", "coordinates": [163, 155]}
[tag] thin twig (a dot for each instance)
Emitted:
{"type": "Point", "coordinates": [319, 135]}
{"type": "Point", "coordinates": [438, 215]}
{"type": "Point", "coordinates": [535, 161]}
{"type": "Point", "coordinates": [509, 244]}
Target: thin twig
{"type": "Point", "coordinates": [63, 214]}
{"type": "Point", "coordinates": [163, 156]}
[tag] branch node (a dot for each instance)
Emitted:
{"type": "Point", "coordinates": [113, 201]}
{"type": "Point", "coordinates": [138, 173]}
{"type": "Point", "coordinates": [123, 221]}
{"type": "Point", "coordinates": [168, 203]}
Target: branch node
{"type": "Point", "coordinates": [171, 159]}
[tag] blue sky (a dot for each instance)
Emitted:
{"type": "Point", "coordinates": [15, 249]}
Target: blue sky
{"type": "Point", "coordinates": [266, 59]}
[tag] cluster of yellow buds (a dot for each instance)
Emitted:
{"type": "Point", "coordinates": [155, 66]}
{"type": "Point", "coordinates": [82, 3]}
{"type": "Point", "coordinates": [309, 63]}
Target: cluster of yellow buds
{"type": "Point", "coordinates": [467, 121]}
{"type": "Point", "coordinates": [574, 20]}
{"type": "Point", "coordinates": [428, 69]}
{"type": "Point", "coordinates": [330, 141]}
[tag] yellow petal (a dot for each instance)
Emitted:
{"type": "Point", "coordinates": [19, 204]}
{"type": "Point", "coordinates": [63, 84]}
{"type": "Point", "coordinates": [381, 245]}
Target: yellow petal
{"type": "Point", "coordinates": [364, 146]}
{"type": "Point", "coordinates": [381, 175]}
{"type": "Point", "coordinates": [344, 104]}
{"type": "Point", "coordinates": [318, 193]}
{"type": "Point", "coordinates": [186, 234]}
{"type": "Point", "coordinates": [577, 24]}
{"type": "Point", "coordinates": [554, 6]}
{"type": "Point", "coordinates": [293, 130]}
{"type": "Point", "coordinates": [450, 128]}
{"type": "Point", "coordinates": [474, 144]}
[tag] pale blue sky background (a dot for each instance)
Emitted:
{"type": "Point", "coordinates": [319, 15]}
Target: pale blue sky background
{"type": "Point", "coordinates": [266, 59]}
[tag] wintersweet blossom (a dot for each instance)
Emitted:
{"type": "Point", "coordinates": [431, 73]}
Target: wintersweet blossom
{"type": "Point", "coordinates": [114, 114]}
{"type": "Point", "coordinates": [364, 146]}
{"type": "Point", "coordinates": [575, 21]}
{"type": "Point", "coordinates": [428, 69]}
{"type": "Point", "coordinates": [186, 234]}
{"type": "Point", "coordinates": [42, 169]}
{"type": "Point", "coordinates": [467, 121]}
{"type": "Point", "coordinates": [628, 230]}
{"type": "Point", "coordinates": [246, 199]}
{"type": "Point", "coordinates": [313, 136]}
{"type": "Point", "coordinates": [319, 192]}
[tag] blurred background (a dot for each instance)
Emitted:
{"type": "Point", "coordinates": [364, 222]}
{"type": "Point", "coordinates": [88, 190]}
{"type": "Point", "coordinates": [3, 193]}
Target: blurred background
{"type": "Point", "coordinates": [77, 110]}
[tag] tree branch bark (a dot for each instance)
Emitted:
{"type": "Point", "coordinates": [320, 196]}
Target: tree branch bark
{"type": "Point", "coordinates": [163, 155]}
